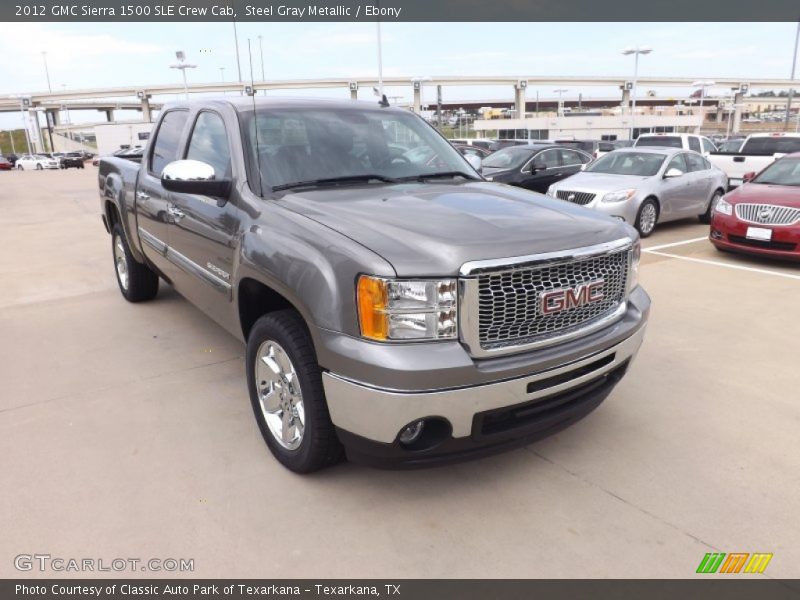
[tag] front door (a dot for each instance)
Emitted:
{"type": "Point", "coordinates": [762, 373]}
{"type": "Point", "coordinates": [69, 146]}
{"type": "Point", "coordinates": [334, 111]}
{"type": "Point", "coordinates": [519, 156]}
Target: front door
{"type": "Point", "coordinates": [204, 231]}
{"type": "Point", "coordinates": [542, 171]}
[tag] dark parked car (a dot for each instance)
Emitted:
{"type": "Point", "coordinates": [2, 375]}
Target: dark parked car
{"type": "Point", "coordinates": [534, 167]}
{"type": "Point", "coordinates": [71, 159]}
{"type": "Point", "coordinates": [12, 158]}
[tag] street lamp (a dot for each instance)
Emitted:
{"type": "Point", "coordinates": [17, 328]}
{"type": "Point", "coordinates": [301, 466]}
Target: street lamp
{"type": "Point", "coordinates": [560, 109]}
{"type": "Point", "coordinates": [791, 89]}
{"type": "Point", "coordinates": [636, 52]}
{"type": "Point", "coordinates": [182, 65]}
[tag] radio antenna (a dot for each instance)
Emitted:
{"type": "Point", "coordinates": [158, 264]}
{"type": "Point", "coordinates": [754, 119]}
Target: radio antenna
{"type": "Point", "coordinates": [255, 121]}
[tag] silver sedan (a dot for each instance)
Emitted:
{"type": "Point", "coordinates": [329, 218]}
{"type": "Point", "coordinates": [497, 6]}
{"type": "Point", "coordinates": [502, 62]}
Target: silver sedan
{"type": "Point", "coordinates": [645, 186]}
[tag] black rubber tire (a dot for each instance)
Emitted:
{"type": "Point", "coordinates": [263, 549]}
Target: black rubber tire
{"type": "Point", "coordinates": [320, 448]}
{"type": "Point", "coordinates": [142, 280]}
{"type": "Point", "coordinates": [39, 168]}
{"type": "Point", "coordinates": [20, 168]}
{"type": "Point", "coordinates": [638, 224]}
{"type": "Point", "coordinates": [706, 216]}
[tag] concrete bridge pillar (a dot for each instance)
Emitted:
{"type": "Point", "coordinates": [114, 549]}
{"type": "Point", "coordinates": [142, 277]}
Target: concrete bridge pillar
{"type": "Point", "coordinates": [519, 99]}
{"type": "Point", "coordinates": [54, 116]}
{"type": "Point", "coordinates": [109, 114]}
{"type": "Point", "coordinates": [626, 99]}
{"type": "Point", "coordinates": [737, 112]}
{"type": "Point", "coordinates": [417, 97]}
{"type": "Point", "coordinates": [147, 113]}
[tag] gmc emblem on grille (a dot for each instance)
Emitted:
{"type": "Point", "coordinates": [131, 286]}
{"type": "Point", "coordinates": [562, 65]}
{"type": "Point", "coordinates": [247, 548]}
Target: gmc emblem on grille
{"type": "Point", "coordinates": [554, 301]}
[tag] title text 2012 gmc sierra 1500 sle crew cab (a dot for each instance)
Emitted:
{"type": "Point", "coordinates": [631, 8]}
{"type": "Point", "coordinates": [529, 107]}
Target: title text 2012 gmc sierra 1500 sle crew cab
{"type": "Point", "coordinates": [393, 303]}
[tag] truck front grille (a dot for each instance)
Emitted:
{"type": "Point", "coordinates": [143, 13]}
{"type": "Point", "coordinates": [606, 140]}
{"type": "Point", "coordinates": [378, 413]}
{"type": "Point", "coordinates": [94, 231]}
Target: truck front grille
{"type": "Point", "coordinates": [768, 214]}
{"type": "Point", "coordinates": [582, 198]}
{"type": "Point", "coordinates": [511, 302]}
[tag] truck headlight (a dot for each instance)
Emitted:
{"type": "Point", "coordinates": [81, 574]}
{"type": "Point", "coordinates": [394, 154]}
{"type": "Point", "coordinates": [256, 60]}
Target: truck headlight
{"type": "Point", "coordinates": [633, 274]}
{"type": "Point", "coordinates": [724, 207]}
{"type": "Point", "coordinates": [619, 195]}
{"type": "Point", "coordinates": [405, 309]}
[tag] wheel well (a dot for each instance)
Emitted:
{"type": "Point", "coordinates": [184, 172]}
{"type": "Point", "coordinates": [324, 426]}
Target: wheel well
{"type": "Point", "coordinates": [112, 215]}
{"type": "Point", "coordinates": [256, 300]}
{"type": "Point", "coordinates": [654, 199]}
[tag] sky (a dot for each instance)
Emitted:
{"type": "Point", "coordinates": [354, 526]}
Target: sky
{"type": "Point", "coordinates": [83, 55]}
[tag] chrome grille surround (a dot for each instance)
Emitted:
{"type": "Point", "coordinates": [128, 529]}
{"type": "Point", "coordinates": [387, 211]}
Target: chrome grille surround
{"type": "Point", "coordinates": [582, 198]}
{"type": "Point", "coordinates": [499, 310]}
{"type": "Point", "coordinates": [767, 214]}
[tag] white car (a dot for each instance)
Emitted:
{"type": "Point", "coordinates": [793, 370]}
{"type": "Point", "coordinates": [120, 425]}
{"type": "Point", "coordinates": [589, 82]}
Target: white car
{"type": "Point", "coordinates": [36, 161]}
{"type": "Point", "coordinates": [685, 141]}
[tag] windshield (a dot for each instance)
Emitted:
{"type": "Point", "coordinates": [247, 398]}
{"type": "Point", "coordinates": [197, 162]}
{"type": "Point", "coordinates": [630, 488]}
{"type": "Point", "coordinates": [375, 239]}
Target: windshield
{"type": "Point", "coordinates": [782, 172]}
{"type": "Point", "coordinates": [643, 164]}
{"type": "Point", "coordinates": [507, 158]}
{"type": "Point", "coordinates": [670, 141]}
{"type": "Point", "coordinates": [311, 145]}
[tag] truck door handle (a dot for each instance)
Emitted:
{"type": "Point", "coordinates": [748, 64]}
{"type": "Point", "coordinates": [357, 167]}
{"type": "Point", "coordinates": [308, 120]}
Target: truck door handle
{"type": "Point", "coordinates": [175, 213]}
{"type": "Point", "coordinates": [738, 159]}
{"type": "Point", "coordinates": [142, 196]}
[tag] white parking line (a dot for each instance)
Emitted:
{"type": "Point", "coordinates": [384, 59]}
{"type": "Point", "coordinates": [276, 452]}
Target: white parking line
{"type": "Point", "coordinates": [726, 265]}
{"type": "Point", "coordinates": [662, 246]}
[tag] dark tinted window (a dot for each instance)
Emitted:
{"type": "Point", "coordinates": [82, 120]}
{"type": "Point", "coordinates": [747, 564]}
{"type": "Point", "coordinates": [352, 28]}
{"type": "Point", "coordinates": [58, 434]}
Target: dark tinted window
{"type": "Point", "coordinates": [570, 157]}
{"type": "Point", "coordinates": [694, 144]}
{"type": "Point", "coordinates": [767, 146]}
{"type": "Point", "coordinates": [708, 146]}
{"type": "Point", "coordinates": [671, 141]}
{"type": "Point", "coordinates": [695, 162]}
{"type": "Point", "coordinates": [209, 144]}
{"type": "Point", "coordinates": [165, 147]}
{"type": "Point", "coordinates": [548, 159]}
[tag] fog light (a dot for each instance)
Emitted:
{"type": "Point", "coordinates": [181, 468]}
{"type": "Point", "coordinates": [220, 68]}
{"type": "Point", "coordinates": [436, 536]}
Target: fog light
{"type": "Point", "coordinates": [411, 433]}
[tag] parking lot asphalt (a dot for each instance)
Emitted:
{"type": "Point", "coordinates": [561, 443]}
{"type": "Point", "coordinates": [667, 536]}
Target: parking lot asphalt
{"type": "Point", "coordinates": [126, 431]}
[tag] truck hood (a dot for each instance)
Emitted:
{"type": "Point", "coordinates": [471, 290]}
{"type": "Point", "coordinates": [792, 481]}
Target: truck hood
{"type": "Point", "coordinates": [758, 193]}
{"type": "Point", "coordinates": [600, 182]}
{"type": "Point", "coordinates": [431, 229]}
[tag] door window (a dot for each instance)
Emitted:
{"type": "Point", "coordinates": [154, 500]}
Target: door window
{"type": "Point", "coordinates": [677, 162]}
{"type": "Point", "coordinates": [209, 144]}
{"type": "Point", "coordinates": [548, 159]}
{"type": "Point", "coordinates": [165, 146]}
{"type": "Point", "coordinates": [694, 144]}
{"type": "Point", "coordinates": [708, 146]}
{"type": "Point", "coordinates": [695, 162]}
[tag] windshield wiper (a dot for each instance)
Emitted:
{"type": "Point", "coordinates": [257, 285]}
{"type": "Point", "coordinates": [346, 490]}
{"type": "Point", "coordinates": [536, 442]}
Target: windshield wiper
{"type": "Point", "coordinates": [333, 181]}
{"type": "Point", "coordinates": [439, 175]}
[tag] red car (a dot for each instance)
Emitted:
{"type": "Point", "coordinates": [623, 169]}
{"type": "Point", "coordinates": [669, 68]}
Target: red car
{"type": "Point", "coordinates": [5, 165]}
{"type": "Point", "coordinates": [763, 215]}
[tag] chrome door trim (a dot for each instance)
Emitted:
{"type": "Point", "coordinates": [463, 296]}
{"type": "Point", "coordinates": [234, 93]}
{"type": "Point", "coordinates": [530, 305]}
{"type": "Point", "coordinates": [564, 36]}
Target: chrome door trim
{"type": "Point", "coordinates": [152, 241]}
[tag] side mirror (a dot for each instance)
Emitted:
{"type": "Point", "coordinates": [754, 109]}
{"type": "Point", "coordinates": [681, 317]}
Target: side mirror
{"type": "Point", "coordinates": [673, 172]}
{"type": "Point", "coordinates": [194, 177]}
{"type": "Point", "coordinates": [475, 162]}
{"type": "Point", "coordinates": [749, 176]}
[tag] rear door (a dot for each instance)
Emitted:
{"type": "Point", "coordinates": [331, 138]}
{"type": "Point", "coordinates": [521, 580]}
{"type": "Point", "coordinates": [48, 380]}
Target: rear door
{"type": "Point", "coordinates": [701, 181]}
{"type": "Point", "coordinates": [572, 161]}
{"type": "Point", "coordinates": [203, 230]}
{"type": "Point", "coordinates": [151, 199]}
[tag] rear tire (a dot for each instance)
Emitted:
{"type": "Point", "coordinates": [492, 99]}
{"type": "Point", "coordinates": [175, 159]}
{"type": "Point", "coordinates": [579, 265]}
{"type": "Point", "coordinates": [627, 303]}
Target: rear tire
{"type": "Point", "coordinates": [647, 217]}
{"type": "Point", "coordinates": [39, 167]}
{"type": "Point", "coordinates": [706, 216]}
{"type": "Point", "coordinates": [137, 282]}
{"type": "Point", "coordinates": [285, 385]}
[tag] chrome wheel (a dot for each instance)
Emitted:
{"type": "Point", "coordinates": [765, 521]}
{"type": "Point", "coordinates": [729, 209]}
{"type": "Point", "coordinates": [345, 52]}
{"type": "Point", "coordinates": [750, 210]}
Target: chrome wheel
{"type": "Point", "coordinates": [279, 395]}
{"type": "Point", "coordinates": [121, 263]}
{"type": "Point", "coordinates": [647, 218]}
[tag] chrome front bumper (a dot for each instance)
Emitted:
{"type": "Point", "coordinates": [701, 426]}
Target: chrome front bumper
{"type": "Point", "coordinates": [379, 414]}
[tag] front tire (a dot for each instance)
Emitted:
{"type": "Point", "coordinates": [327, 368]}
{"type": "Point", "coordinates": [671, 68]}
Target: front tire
{"type": "Point", "coordinates": [137, 282]}
{"type": "Point", "coordinates": [39, 167]}
{"type": "Point", "coordinates": [20, 168]}
{"type": "Point", "coordinates": [285, 385]}
{"type": "Point", "coordinates": [712, 204]}
{"type": "Point", "coordinates": [647, 217]}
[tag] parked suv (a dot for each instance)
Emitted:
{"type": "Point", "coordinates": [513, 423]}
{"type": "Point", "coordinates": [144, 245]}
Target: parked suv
{"type": "Point", "coordinates": [406, 312]}
{"type": "Point", "coordinates": [684, 141]}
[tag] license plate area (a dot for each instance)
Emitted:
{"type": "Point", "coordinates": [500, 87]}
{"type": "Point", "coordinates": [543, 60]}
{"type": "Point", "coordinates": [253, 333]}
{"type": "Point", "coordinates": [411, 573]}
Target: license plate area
{"type": "Point", "coordinates": [759, 233]}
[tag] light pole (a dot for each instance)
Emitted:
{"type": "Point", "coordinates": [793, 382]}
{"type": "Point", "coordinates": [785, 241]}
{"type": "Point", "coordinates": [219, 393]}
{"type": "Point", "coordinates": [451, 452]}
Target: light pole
{"type": "Point", "coordinates": [46, 71]}
{"type": "Point", "coordinates": [636, 52]}
{"type": "Point", "coordinates": [238, 63]}
{"type": "Point", "coordinates": [380, 61]}
{"type": "Point", "coordinates": [261, 52]}
{"type": "Point", "coordinates": [791, 90]}
{"type": "Point", "coordinates": [560, 109]}
{"type": "Point", "coordinates": [182, 65]}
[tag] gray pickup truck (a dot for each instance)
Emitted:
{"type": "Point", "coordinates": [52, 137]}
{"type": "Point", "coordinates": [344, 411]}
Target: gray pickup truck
{"type": "Point", "coordinates": [395, 306]}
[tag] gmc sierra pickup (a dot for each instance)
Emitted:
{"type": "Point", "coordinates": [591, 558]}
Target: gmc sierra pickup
{"type": "Point", "coordinates": [393, 303]}
{"type": "Point", "coordinates": [757, 152]}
